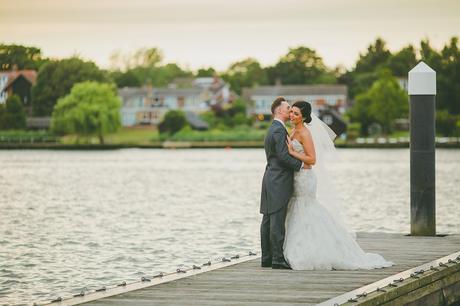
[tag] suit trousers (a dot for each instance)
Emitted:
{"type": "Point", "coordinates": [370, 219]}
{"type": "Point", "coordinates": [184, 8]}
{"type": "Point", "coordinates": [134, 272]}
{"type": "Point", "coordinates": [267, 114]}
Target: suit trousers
{"type": "Point", "coordinates": [272, 231]}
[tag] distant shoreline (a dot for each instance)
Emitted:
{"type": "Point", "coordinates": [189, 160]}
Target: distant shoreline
{"type": "Point", "coordinates": [196, 145]}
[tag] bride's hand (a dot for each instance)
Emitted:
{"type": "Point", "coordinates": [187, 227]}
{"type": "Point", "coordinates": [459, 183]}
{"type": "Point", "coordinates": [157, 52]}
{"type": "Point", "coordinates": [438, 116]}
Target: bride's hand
{"type": "Point", "coordinates": [289, 145]}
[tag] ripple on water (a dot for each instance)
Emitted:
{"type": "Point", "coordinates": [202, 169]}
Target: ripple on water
{"type": "Point", "coordinates": [79, 220]}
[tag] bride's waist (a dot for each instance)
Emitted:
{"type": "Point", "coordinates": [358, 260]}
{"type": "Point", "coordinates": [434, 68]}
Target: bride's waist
{"type": "Point", "coordinates": [307, 174]}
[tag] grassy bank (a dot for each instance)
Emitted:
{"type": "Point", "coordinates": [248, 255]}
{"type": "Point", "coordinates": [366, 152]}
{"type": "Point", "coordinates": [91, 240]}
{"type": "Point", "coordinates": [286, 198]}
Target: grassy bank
{"type": "Point", "coordinates": [148, 137]}
{"type": "Point", "coordinates": [27, 137]}
{"type": "Point", "coordinates": [237, 134]}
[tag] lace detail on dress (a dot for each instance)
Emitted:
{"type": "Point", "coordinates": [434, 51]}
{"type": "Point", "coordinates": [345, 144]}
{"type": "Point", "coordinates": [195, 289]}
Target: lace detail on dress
{"type": "Point", "coordinates": [314, 239]}
{"type": "Point", "coordinates": [305, 179]}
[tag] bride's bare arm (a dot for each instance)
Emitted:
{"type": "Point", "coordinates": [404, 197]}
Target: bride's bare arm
{"type": "Point", "coordinates": [309, 157]}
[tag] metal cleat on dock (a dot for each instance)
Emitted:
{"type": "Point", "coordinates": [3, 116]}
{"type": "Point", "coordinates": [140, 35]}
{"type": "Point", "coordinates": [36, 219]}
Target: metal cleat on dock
{"type": "Point", "coordinates": [59, 299]}
{"type": "Point", "coordinates": [82, 293]}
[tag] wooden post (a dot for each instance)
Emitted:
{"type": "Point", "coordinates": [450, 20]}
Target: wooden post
{"type": "Point", "coordinates": [422, 94]}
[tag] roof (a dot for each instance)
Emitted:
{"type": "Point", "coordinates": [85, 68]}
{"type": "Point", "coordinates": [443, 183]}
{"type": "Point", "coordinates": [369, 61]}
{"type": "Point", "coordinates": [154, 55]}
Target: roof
{"type": "Point", "coordinates": [129, 92]}
{"type": "Point", "coordinates": [195, 121]}
{"type": "Point", "coordinates": [177, 91]}
{"type": "Point", "coordinates": [289, 90]}
{"type": "Point", "coordinates": [29, 75]}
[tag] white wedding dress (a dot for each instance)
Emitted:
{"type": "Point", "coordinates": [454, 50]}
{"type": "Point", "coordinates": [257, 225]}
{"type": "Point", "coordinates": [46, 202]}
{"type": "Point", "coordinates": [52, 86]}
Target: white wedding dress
{"type": "Point", "coordinates": [314, 239]}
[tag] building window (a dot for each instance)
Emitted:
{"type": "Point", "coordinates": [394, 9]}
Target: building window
{"type": "Point", "coordinates": [181, 102]}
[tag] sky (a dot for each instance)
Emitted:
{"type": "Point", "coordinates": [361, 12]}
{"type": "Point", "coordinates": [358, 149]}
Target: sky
{"type": "Point", "coordinates": [216, 33]}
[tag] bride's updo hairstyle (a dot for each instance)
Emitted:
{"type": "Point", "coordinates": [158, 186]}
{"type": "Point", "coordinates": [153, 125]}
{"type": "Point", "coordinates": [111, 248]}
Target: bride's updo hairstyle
{"type": "Point", "coordinates": [305, 109]}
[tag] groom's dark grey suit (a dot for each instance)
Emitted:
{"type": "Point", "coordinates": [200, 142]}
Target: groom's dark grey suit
{"type": "Point", "coordinates": [277, 187]}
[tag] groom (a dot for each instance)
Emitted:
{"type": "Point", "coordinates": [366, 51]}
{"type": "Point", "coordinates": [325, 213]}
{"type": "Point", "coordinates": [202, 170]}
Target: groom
{"type": "Point", "coordinates": [277, 187]}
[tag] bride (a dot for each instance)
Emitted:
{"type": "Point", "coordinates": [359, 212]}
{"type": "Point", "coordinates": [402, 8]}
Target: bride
{"type": "Point", "coordinates": [316, 237]}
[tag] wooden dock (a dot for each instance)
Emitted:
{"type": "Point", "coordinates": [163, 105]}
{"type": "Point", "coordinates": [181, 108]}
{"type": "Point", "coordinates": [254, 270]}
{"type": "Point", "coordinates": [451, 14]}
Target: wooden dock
{"type": "Point", "coordinates": [242, 281]}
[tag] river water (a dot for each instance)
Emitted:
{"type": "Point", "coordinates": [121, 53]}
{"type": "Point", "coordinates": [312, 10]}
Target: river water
{"type": "Point", "coordinates": [80, 220]}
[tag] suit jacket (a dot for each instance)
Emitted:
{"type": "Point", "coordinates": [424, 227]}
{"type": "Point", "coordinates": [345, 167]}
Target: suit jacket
{"type": "Point", "coordinates": [277, 184]}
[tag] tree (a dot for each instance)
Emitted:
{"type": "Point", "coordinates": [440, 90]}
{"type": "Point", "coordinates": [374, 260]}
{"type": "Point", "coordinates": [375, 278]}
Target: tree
{"type": "Point", "coordinates": [360, 112]}
{"type": "Point", "coordinates": [14, 116]}
{"type": "Point", "coordinates": [449, 78]}
{"type": "Point", "coordinates": [206, 72]}
{"type": "Point", "coordinates": [228, 116]}
{"type": "Point", "coordinates": [446, 63]}
{"type": "Point", "coordinates": [365, 72]}
{"type": "Point", "coordinates": [173, 122]}
{"type": "Point", "coordinates": [384, 102]}
{"type": "Point", "coordinates": [430, 56]}
{"type": "Point", "coordinates": [300, 65]}
{"type": "Point", "coordinates": [377, 56]}
{"type": "Point", "coordinates": [358, 83]}
{"type": "Point", "coordinates": [144, 67]}
{"type": "Point", "coordinates": [245, 73]}
{"type": "Point", "coordinates": [2, 117]}
{"type": "Point", "coordinates": [369, 65]}
{"type": "Point", "coordinates": [446, 123]}
{"type": "Point", "coordinates": [56, 79]}
{"type": "Point", "coordinates": [146, 57]}
{"type": "Point", "coordinates": [156, 76]}
{"type": "Point", "coordinates": [403, 61]}
{"type": "Point", "coordinates": [126, 79]}
{"type": "Point", "coordinates": [143, 57]}
{"type": "Point", "coordinates": [90, 108]}
{"type": "Point", "coordinates": [21, 57]}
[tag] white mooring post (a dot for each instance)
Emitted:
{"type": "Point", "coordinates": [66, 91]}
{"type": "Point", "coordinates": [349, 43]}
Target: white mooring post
{"type": "Point", "coordinates": [422, 97]}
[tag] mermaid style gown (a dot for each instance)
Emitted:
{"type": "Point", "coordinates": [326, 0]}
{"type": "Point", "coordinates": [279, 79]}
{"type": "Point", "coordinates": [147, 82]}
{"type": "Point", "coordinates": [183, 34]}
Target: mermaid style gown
{"type": "Point", "coordinates": [314, 240]}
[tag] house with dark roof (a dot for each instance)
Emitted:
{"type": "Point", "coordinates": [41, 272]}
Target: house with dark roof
{"type": "Point", "coordinates": [147, 105]}
{"type": "Point", "coordinates": [319, 96]}
{"type": "Point", "coordinates": [17, 82]}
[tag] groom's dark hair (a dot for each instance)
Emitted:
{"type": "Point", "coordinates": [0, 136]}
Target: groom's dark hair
{"type": "Point", "coordinates": [277, 103]}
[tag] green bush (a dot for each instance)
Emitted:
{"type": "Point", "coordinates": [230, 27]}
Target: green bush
{"type": "Point", "coordinates": [17, 136]}
{"type": "Point", "coordinates": [210, 118]}
{"type": "Point", "coordinates": [2, 116]}
{"type": "Point", "coordinates": [241, 133]}
{"type": "Point", "coordinates": [353, 130]}
{"type": "Point", "coordinates": [173, 122]}
{"type": "Point", "coordinates": [228, 116]}
{"type": "Point", "coordinates": [446, 123]}
{"type": "Point", "coordinates": [13, 116]}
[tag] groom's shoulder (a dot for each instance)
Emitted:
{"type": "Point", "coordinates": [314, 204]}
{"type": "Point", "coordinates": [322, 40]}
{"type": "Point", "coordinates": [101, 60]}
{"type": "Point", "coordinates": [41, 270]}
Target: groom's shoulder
{"type": "Point", "coordinates": [276, 126]}
{"type": "Point", "coordinates": [273, 127]}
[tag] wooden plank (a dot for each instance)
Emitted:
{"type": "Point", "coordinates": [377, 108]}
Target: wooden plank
{"type": "Point", "coordinates": [248, 284]}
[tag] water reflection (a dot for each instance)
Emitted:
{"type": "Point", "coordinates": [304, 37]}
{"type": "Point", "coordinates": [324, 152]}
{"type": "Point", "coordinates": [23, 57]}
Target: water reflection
{"type": "Point", "coordinates": [74, 220]}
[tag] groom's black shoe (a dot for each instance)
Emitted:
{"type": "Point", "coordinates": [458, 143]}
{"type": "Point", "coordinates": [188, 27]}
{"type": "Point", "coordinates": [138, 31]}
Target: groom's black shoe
{"type": "Point", "coordinates": [282, 265]}
{"type": "Point", "coordinates": [266, 264]}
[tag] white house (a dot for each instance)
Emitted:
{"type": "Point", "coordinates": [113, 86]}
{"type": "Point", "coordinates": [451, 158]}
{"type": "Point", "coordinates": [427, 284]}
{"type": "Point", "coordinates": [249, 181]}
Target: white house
{"type": "Point", "coordinates": [148, 105]}
{"type": "Point", "coordinates": [3, 82]}
{"type": "Point", "coordinates": [320, 97]}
